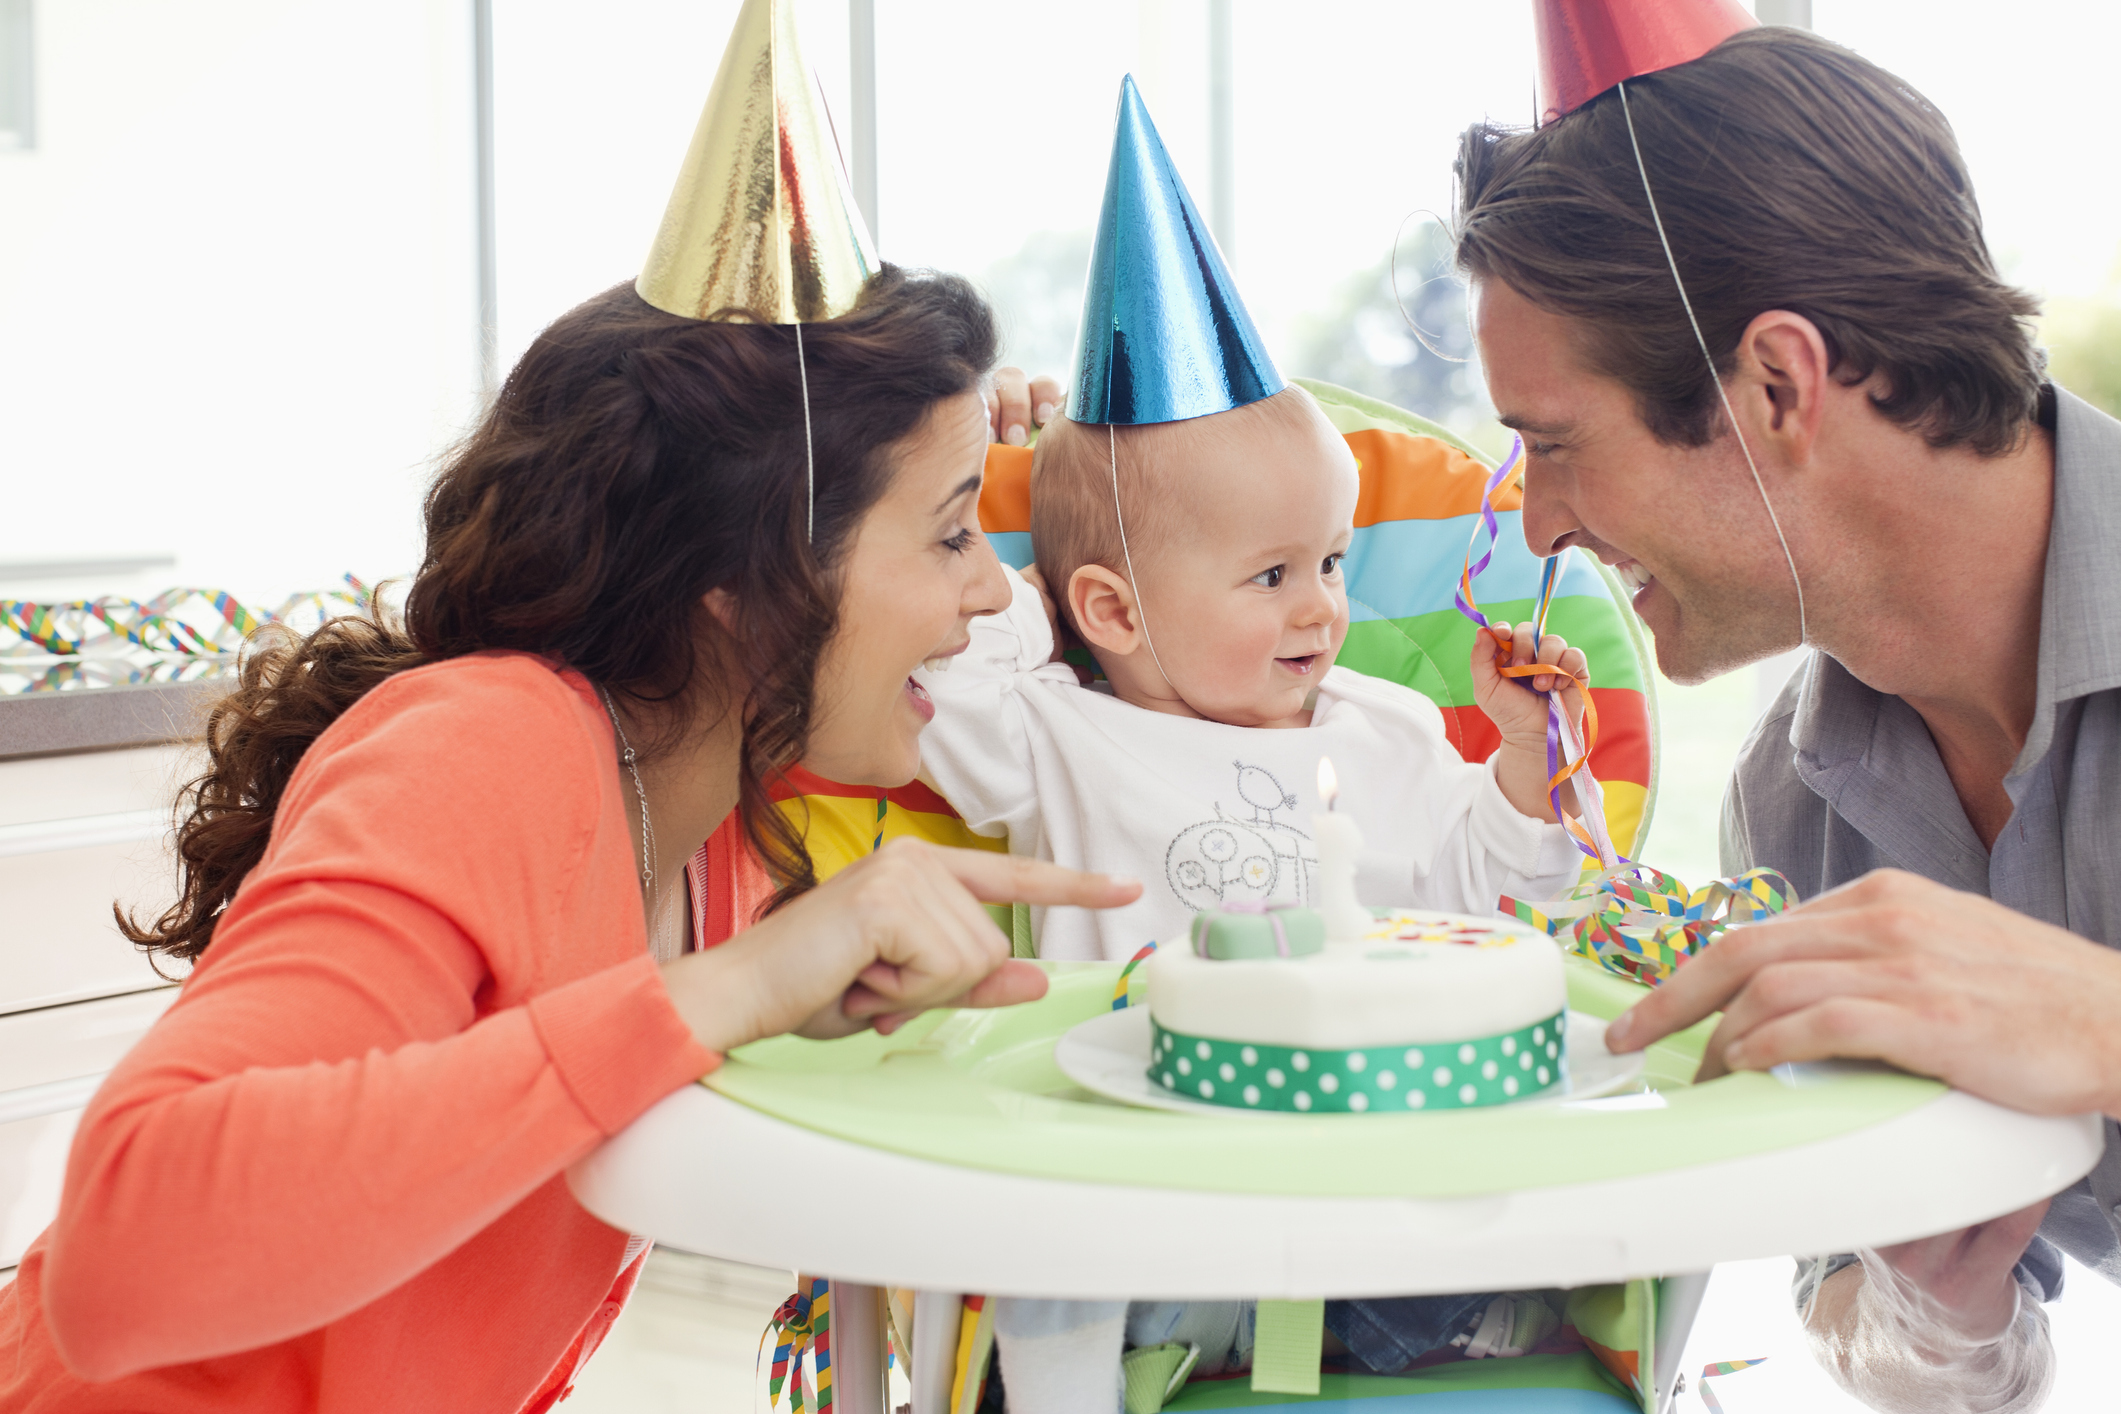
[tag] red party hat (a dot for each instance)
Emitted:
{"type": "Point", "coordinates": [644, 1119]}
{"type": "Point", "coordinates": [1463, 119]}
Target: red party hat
{"type": "Point", "coordinates": [1587, 46]}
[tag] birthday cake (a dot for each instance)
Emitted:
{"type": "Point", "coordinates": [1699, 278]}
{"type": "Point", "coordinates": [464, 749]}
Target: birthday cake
{"type": "Point", "coordinates": [1426, 1011]}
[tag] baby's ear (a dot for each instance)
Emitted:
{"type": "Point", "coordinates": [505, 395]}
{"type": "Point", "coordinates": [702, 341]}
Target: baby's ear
{"type": "Point", "coordinates": [1102, 605]}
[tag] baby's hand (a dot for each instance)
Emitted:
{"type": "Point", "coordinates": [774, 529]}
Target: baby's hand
{"type": "Point", "coordinates": [1521, 714]}
{"type": "Point", "coordinates": [1018, 405]}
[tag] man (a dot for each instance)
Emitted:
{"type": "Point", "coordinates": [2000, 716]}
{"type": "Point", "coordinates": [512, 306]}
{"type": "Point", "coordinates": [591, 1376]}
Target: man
{"type": "Point", "coordinates": [1877, 469]}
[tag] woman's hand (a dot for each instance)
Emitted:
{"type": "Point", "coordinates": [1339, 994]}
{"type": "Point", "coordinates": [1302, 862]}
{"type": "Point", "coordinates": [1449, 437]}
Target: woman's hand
{"type": "Point", "coordinates": [1016, 404]}
{"type": "Point", "coordinates": [1896, 968]}
{"type": "Point", "coordinates": [1521, 715]}
{"type": "Point", "coordinates": [886, 938]}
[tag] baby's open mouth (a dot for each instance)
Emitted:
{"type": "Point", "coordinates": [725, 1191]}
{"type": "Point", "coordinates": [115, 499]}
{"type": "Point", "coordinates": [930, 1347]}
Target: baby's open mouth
{"type": "Point", "coordinates": [1301, 666]}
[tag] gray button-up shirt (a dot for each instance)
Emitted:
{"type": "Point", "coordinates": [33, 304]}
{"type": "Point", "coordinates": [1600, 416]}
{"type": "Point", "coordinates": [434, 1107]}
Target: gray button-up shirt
{"type": "Point", "coordinates": [1837, 779]}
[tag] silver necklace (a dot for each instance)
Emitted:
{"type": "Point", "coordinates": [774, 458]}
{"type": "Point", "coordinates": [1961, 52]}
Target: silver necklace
{"type": "Point", "coordinates": [640, 791]}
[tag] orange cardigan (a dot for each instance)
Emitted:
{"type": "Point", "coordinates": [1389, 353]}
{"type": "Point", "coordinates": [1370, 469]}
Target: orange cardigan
{"type": "Point", "coordinates": [330, 1178]}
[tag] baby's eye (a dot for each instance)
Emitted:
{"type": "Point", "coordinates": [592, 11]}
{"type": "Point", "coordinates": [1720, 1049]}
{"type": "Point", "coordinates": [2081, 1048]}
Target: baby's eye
{"type": "Point", "coordinates": [1270, 579]}
{"type": "Point", "coordinates": [1331, 566]}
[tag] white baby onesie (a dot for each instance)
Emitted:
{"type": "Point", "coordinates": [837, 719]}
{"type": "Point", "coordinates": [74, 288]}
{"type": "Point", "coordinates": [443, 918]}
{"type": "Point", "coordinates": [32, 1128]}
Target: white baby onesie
{"type": "Point", "coordinates": [1201, 812]}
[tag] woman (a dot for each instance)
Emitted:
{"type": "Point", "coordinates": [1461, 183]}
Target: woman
{"type": "Point", "coordinates": [429, 873]}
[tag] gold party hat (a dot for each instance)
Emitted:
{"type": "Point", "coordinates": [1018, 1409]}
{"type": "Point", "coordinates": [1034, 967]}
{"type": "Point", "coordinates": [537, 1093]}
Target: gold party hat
{"type": "Point", "coordinates": [762, 218]}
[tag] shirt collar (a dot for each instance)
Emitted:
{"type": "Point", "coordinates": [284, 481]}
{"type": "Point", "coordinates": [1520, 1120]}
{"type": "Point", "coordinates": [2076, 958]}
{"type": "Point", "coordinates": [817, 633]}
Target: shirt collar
{"type": "Point", "coordinates": [2080, 605]}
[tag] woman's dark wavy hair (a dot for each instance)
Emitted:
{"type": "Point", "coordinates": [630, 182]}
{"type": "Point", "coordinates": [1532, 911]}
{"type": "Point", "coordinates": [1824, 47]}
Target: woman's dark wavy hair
{"type": "Point", "coordinates": [634, 461]}
{"type": "Point", "coordinates": [1791, 174]}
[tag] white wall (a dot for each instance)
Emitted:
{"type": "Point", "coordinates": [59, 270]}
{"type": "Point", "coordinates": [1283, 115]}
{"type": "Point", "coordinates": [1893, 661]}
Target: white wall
{"type": "Point", "coordinates": [237, 296]}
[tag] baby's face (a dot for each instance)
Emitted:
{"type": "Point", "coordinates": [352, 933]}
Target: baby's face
{"type": "Point", "coordinates": [1247, 605]}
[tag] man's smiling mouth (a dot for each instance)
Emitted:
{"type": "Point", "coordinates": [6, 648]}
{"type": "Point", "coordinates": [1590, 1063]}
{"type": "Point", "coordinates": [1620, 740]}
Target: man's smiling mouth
{"type": "Point", "coordinates": [1635, 577]}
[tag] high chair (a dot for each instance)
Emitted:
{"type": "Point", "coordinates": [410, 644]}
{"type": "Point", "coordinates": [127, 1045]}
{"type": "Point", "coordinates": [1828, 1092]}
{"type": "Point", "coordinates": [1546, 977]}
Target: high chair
{"type": "Point", "coordinates": [1420, 493]}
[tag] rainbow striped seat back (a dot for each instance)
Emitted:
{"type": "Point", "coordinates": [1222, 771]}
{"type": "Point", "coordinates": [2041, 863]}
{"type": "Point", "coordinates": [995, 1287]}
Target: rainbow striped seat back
{"type": "Point", "coordinates": [1420, 496]}
{"type": "Point", "coordinates": [1420, 499]}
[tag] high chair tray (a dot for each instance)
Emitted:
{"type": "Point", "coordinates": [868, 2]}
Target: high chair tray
{"type": "Point", "coordinates": [955, 1156]}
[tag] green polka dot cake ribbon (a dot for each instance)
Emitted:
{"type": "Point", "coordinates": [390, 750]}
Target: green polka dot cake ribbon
{"type": "Point", "coordinates": [1486, 1070]}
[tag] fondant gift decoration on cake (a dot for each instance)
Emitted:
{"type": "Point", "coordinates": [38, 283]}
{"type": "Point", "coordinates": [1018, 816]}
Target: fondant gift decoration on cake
{"type": "Point", "coordinates": [1429, 1011]}
{"type": "Point", "coordinates": [1240, 930]}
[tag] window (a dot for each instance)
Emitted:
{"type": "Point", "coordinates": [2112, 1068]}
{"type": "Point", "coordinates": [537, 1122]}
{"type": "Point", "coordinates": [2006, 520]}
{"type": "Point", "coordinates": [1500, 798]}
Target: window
{"type": "Point", "coordinates": [18, 104]}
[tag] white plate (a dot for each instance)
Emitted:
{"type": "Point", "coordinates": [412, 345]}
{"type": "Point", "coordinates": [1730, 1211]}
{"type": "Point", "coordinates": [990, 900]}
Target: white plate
{"type": "Point", "coordinates": [1108, 1055]}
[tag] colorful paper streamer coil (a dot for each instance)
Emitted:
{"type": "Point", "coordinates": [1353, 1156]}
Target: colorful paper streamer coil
{"type": "Point", "coordinates": [802, 1325]}
{"type": "Point", "coordinates": [184, 621]}
{"type": "Point", "coordinates": [1627, 917]}
{"type": "Point", "coordinates": [1642, 924]}
{"type": "Point", "coordinates": [1119, 991]}
{"type": "Point", "coordinates": [1709, 1400]}
{"type": "Point", "coordinates": [1591, 835]}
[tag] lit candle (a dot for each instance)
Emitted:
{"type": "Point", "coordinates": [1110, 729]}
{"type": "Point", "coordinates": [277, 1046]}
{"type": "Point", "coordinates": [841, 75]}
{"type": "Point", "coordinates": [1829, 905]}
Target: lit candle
{"type": "Point", "coordinates": [1338, 844]}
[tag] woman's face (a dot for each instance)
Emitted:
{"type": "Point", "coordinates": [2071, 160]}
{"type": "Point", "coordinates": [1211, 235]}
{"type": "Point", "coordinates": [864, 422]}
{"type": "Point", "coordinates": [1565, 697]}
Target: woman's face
{"type": "Point", "coordinates": [918, 573]}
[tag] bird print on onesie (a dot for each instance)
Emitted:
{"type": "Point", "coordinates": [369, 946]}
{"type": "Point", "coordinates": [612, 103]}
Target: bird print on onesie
{"type": "Point", "coordinates": [1248, 855]}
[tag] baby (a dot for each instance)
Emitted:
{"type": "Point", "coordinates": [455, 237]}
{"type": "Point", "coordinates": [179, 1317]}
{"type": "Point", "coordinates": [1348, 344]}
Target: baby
{"type": "Point", "coordinates": [1191, 529]}
{"type": "Point", "coordinates": [1216, 620]}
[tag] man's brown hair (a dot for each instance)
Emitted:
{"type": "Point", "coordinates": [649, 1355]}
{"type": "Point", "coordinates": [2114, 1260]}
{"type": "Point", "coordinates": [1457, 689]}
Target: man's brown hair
{"type": "Point", "coordinates": [1791, 174]}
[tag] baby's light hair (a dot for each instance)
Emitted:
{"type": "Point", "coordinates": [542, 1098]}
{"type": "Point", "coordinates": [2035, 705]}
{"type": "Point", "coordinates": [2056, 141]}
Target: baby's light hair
{"type": "Point", "coordinates": [1072, 519]}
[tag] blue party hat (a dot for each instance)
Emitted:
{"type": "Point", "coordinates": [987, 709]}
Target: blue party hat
{"type": "Point", "coordinates": [1164, 335]}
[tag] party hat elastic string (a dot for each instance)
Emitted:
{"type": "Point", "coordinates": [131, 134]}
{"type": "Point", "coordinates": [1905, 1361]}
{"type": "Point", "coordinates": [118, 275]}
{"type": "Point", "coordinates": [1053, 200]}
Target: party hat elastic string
{"type": "Point", "coordinates": [1730, 413]}
{"type": "Point", "coordinates": [809, 457]}
{"type": "Point", "coordinates": [1127, 556]}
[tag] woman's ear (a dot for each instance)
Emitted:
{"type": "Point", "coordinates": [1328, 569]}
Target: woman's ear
{"type": "Point", "coordinates": [1102, 604]}
{"type": "Point", "coordinates": [722, 604]}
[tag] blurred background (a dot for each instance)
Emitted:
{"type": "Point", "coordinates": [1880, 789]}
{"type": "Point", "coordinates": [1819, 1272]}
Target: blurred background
{"type": "Point", "coordinates": [261, 260]}
{"type": "Point", "coordinates": [255, 276]}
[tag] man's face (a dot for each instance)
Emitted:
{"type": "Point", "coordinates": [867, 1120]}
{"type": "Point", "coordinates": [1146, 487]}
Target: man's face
{"type": "Point", "coordinates": [1684, 526]}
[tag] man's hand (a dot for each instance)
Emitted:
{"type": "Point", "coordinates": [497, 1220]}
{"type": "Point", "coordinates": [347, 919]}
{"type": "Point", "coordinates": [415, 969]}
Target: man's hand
{"type": "Point", "coordinates": [1016, 404]}
{"type": "Point", "coordinates": [1895, 968]}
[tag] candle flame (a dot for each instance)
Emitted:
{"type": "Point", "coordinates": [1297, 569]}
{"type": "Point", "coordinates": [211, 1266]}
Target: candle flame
{"type": "Point", "coordinates": [1328, 782]}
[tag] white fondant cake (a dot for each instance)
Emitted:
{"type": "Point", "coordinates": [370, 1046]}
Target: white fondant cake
{"type": "Point", "coordinates": [1430, 1010]}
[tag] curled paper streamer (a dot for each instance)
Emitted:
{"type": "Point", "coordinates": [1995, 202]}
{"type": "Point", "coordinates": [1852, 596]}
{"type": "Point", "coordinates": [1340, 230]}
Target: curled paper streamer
{"type": "Point", "coordinates": [803, 1324]}
{"type": "Point", "coordinates": [1709, 1401]}
{"type": "Point", "coordinates": [1629, 918]}
{"type": "Point", "coordinates": [1642, 923]}
{"type": "Point", "coordinates": [198, 622]}
{"type": "Point", "coordinates": [1590, 831]}
{"type": "Point", "coordinates": [1119, 992]}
